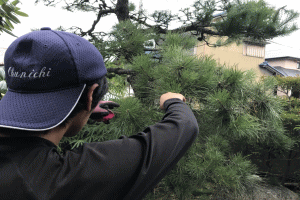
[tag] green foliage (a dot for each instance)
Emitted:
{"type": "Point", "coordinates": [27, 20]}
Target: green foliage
{"type": "Point", "coordinates": [2, 74]}
{"type": "Point", "coordinates": [289, 83]}
{"type": "Point", "coordinates": [255, 20]}
{"type": "Point", "coordinates": [163, 18]}
{"type": "Point", "coordinates": [127, 40]}
{"type": "Point", "coordinates": [185, 41]}
{"type": "Point", "coordinates": [118, 86]}
{"type": "Point", "coordinates": [291, 113]}
{"type": "Point", "coordinates": [291, 119]}
{"type": "Point", "coordinates": [8, 12]}
{"type": "Point", "coordinates": [128, 121]}
{"type": "Point", "coordinates": [291, 123]}
{"type": "Point", "coordinates": [237, 116]}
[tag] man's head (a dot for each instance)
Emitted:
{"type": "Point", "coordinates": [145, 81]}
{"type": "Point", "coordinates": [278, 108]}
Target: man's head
{"type": "Point", "coordinates": [49, 74]}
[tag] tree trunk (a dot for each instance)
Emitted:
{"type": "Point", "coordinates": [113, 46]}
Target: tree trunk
{"type": "Point", "coordinates": [122, 10]}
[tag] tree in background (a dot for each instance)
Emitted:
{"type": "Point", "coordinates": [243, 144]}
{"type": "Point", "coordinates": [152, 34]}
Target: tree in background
{"type": "Point", "coordinates": [238, 117]}
{"type": "Point", "coordinates": [244, 19]}
{"type": "Point", "coordinates": [291, 120]}
{"type": "Point", "coordinates": [290, 86]}
{"type": "Point", "coordinates": [8, 12]}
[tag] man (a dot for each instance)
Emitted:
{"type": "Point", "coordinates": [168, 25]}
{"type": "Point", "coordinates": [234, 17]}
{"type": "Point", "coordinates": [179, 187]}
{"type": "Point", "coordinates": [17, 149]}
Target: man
{"type": "Point", "coordinates": [55, 79]}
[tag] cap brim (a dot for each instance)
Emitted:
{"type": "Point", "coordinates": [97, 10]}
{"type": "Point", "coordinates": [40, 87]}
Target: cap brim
{"type": "Point", "coordinates": [38, 111]}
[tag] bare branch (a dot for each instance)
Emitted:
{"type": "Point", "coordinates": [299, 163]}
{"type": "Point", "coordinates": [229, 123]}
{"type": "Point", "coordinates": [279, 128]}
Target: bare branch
{"type": "Point", "coordinates": [100, 14]}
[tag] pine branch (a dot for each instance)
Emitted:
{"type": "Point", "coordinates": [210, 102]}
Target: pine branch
{"type": "Point", "coordinates": [121, 71]}
{"type": "Point", "coordinates": [143, 22]}
{"type": "Point", "coordinates": [151, 49]}
{"type": "Point", "coordinates": [192, 27]}
{"type": "Point", "coordinates": [207, 43]}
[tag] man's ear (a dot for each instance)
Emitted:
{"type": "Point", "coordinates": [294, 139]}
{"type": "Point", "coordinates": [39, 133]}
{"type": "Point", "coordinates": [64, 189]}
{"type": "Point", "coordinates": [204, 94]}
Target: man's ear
{"type": "Point", "coordinates": [90, 97]}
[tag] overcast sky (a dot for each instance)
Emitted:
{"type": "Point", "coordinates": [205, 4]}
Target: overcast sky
{"type": "Point", "coordinates": [42, 16]}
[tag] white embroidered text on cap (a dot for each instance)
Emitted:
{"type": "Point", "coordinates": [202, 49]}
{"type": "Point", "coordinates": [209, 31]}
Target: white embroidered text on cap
{"type": "Point", "coordinates": [39, 74]}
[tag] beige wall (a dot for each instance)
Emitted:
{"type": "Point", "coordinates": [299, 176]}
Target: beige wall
{"type": "Point", "coordinates": [288, 64]}
{"type": "Point", "coordinates": [235, 55]}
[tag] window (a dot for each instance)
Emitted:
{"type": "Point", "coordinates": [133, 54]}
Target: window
{"type": "Point", "coordinates": [253, 50]}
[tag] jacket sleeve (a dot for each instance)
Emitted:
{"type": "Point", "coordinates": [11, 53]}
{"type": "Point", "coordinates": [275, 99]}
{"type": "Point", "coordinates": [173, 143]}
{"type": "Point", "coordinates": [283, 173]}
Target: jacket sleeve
{"type": "Point", "coordinates": [163, 145]}
{"type": "Point", "coordinates": [127, 168]}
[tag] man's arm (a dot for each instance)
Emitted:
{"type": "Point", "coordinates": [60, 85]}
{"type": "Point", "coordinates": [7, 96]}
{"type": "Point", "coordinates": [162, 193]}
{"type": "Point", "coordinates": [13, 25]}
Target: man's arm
{"type": "Point", "coordinates": [129, 167]}
{"type": "Point", "coordinates": [164, 143]}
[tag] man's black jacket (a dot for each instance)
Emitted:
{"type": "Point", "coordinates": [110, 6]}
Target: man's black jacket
{"type": "Point", "coordinates": [126, 168]}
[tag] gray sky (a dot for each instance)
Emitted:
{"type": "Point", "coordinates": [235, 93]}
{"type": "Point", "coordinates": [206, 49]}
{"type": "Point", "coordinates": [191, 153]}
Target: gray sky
{"type": "Point", "coordinates": [42, 16]}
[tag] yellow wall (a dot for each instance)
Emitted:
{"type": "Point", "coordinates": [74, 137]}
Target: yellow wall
{"type": "Point", "coordinates": [233, 55]}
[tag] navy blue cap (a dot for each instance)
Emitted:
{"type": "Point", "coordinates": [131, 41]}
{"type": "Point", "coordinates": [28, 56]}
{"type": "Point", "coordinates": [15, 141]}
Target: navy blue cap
{"type": "Point", "coordinates": [46, 73]}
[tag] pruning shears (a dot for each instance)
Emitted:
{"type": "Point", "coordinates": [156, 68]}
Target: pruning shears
{"type": "Point", "coordinates": [102, 112]}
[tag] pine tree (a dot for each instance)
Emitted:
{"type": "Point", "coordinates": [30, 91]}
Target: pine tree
{"type": "Point", "coordinates": [237, 116]}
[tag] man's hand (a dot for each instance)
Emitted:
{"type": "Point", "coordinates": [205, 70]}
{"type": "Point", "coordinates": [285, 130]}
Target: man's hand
{"type": "Point", "coordinates": [168, 96]}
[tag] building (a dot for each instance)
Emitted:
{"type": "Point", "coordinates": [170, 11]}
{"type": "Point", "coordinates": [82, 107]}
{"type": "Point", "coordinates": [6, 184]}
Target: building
{"type": "Point", "coordinates": [246, 56]}
{"type": "Point", "coordinates": [283, 66]}
{"type": "Point", "coordinates": [249, 55]}
{"type": "Point", "coordinates": [288, 66]}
